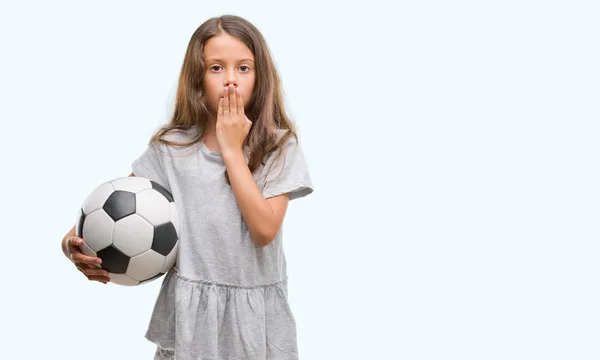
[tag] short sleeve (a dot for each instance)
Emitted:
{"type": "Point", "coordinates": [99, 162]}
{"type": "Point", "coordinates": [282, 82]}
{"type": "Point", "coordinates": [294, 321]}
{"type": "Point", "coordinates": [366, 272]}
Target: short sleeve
{"type": "Point", "coordinates": [287, 173]}
{"type": "Point", "coordinates": [150, 165]}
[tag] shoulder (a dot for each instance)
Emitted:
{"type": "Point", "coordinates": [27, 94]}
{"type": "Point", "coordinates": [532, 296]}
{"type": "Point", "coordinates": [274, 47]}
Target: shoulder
{"type": "Point", "coordinates": [180, 135]}
{"type": "Point", "coordinates": [290, 141]}
{"type": "Point", "coordinates": [280, 133]}
{"type": "Point", "coordinates": [286, 144]}
{"type": "Point", "coordinates": [170, 141]}
{"type": "Point", "coordinates": [287, 151]}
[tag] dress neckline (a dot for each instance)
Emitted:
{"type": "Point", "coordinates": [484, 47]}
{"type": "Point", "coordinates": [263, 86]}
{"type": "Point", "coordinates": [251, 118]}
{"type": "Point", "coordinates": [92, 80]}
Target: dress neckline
{"type": "Point", "coordinates": [208, 151]}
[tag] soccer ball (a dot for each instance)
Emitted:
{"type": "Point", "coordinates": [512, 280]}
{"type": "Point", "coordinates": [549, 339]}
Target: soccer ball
{"type": "Point", "coordinates": [131, 223]}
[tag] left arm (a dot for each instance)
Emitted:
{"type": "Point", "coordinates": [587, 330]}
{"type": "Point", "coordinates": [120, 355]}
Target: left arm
{"type": "Point", "coordinates": [263, 216]}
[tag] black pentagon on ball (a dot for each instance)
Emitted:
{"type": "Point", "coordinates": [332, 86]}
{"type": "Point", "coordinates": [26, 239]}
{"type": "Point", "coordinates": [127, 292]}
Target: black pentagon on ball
{"type": "Point", "coordinates": [158, 187]}
{"type": "Point", "coordinates": [120, 204]}
{"type": "Point", "coordinates": [79, 225]}
{"type": "Point", "coordinates": [113, 260]}
{"type": "Point", "coordinates": [165, 238]}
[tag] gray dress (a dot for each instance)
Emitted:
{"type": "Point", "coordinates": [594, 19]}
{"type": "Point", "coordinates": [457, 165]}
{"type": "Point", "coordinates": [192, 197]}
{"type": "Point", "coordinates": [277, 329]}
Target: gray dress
{"type": "Point", "coordinates": [225, 298]}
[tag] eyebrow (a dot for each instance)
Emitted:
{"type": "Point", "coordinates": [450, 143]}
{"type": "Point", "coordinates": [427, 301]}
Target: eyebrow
{"type": "Point", "coordinates": [221, 60]}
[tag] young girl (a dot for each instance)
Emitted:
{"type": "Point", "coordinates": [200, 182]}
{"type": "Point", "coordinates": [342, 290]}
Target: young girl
{"type": "Point", "coordinates": [231, 159]}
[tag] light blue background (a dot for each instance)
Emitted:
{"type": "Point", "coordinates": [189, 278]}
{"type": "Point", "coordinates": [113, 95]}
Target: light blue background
{"type": "Point", "coordinates": [453, 146]}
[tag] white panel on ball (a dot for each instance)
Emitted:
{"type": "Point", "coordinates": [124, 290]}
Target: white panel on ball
{"type": "Point", "coordinates": [170, 259]}
{"type": "Point", "coordinates": [97, 198]}
{"type": "Point", "coordinates": [153, 206]}
{"type": "Point", "coordinates": [146, 265]}
{"type": "Point", "coordinates": [132, 184]}
{"type": "Point", "coordinates": [133, 235]}
{"type": "Point", "coordinates": [87, 250]}
{"type": "Point", "coordinates": [122, 279]}
{"type": "Point", "coordinates": [98, 230]}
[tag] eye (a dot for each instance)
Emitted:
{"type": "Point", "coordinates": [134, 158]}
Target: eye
{"type": "Point", "coordinates": [215, 66]}
{"type": "Point", "coordinates": [245, 66]}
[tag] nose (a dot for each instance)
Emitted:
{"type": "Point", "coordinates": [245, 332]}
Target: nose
{"type": "Point", "coordinates": [231, 79]}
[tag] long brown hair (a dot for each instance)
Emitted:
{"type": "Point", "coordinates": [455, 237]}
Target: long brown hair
{"type": "Point", "coordinates": [265, 107]}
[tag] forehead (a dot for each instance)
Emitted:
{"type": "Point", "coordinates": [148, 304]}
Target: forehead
{"type": "Point", "coordinates": [226, 48]}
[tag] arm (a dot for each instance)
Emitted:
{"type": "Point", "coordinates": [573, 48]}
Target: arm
{"type": "Point", "coordinates": [263, 216]}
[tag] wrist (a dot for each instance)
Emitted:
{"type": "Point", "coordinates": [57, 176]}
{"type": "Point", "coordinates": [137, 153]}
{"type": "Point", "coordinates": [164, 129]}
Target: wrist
{"type": "Point", "coordinates": [232, 154]}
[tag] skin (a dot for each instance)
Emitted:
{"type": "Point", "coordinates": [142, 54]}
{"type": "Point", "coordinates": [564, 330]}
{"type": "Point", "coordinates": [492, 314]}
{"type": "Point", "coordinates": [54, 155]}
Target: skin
{"type": "Point", "coordinates": [229, 81]}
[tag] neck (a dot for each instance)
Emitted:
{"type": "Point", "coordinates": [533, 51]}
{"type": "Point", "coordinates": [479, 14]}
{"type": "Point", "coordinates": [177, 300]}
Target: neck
{"type": "Point", "coordinates": [211, 127]}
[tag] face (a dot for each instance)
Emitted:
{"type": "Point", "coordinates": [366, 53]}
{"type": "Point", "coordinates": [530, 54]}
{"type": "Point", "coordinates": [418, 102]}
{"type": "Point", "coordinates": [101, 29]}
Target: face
{"type": "Point", "coordinates": [227, 61]}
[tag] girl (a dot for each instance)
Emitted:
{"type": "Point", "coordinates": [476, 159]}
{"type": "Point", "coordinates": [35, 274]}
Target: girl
{"type": "Point", "coordinates": [231, 159]}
